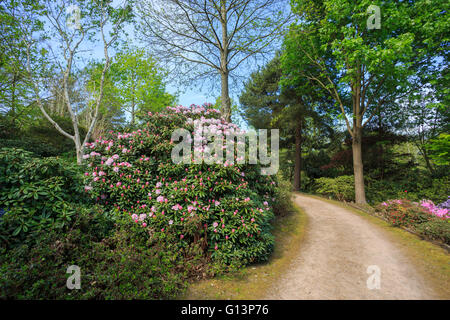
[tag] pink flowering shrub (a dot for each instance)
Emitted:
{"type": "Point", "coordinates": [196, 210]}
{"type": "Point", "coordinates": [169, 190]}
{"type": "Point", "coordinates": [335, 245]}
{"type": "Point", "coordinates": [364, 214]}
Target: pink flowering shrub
{"type": "Point", "coordinates": [227, 208]}
{"type": "Point", "coordinates": [433, 209]}
{"type": "Point", "coordinates": [425, 218]}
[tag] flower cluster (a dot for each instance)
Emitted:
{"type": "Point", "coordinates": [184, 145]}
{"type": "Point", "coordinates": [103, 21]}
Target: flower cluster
{"type": "Point", "coordinates": [424, 218]}
{"type": "Point", "coordinates": [433, 209]}
{"type": "Point", "coordinates": [428, 205]}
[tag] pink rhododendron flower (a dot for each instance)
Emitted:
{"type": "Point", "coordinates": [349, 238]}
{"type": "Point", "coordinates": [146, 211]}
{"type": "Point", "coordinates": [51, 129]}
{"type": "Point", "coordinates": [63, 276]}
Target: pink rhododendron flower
{"type": "Point", "coordinates": [177, 207]}
{"type": "Point", "coordinates": [109, 161]}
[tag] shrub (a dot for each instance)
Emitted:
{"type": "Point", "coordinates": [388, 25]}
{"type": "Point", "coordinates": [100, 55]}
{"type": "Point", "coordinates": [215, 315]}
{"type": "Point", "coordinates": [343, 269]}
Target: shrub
{"type": "Point", "coordinates": [227, 208]}
{"type": "Point", "coordinates": [283, 195]}
{"type": "Point", "coordinates": [340, 188]}
{"type": "Point", "coordinates": [420, 217]}
{"type": "Point", "coordinates": [404, 213]}
{"type": "Point", "coordinates": [415, 188]}
{"type": "Point", "coordinates": [435, 230]}
{"type": "Point", "coordinates": [39, 137]}
{"type": "Point", "coordinates": [31, 144]}
{"type": "Point", "coordinates": [47, 224]}
{"type": "Point", "coordinates": [123, 264]}
{"type": "Point", "coordinates": [440, 149]}
{"type": "Point", "coordinates": [37, 195]}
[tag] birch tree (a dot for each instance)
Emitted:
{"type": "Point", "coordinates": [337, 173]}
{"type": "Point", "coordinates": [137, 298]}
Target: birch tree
{"type": "Point", "coordinates": [70, 29]}
{"type": "Point", "coordinates": [207, 39]}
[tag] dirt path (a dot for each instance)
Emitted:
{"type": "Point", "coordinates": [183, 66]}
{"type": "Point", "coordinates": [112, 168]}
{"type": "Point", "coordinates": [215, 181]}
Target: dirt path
{"type": "Point", "coordinates": [338, 249]}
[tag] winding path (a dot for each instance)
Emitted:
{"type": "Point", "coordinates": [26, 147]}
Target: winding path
{"type": "Point", "coordinates": [339, 247]}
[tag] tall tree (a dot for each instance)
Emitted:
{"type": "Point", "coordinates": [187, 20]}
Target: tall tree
{"type": "Point", "coordinates": [355, 64]}
{"type": "Point", "coordinates": [217, 36]}
{"type": "Point", "coordinates": [267, 103]}
{"type": "Point", "coordinates": [139, 82]}
{"type": "Point", "coordinates": [111, 112]}
{"type": "Point", "coordinates": [16, 99]}
{"type": "Point", "coordinates": [424, 119]}
{"type": "Point", "coordinates": [71, 31]}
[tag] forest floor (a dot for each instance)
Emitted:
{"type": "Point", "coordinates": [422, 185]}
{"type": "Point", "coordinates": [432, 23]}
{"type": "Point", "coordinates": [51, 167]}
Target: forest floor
{"type": "Point", "coordinates": [324, 252]}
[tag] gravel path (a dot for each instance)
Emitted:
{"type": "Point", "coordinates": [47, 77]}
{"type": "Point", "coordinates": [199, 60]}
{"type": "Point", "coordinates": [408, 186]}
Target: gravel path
{"type": "Point", "coordinates": [333, 263]}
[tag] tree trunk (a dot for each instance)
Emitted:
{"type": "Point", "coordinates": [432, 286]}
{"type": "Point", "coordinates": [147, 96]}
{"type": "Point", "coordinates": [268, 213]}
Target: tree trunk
{"type": "Point", "coordinates": [358, 171]}
{"type": "Point", "coordinates": [427, 160]}
{"type": "Point", "coordinates": [13, 99]}
{"type": "Point", "coordinates": [133, 87]}
{"type": "Point", "coordinates": [298, 156]}
{"type": "Point", "coordinates": [132, 112]}
{"type": "Point", "coordinates": [225, 98]}
{"type": "Point", "coordinates": [79, 151]}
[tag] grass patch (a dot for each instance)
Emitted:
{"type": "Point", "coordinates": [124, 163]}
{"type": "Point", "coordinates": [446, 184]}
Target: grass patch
{"type": "Point", "coordinates": [431, 261]}
{"type": "Point", "coordinates": [253, 281]}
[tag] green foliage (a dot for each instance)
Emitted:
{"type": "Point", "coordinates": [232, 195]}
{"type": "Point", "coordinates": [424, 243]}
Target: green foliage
{"type": "Point", "coordinates": [139, 83]}
{"type": "Point", "coordinates": [39, 137]}
{"type": "Point", "coordinates": [283, 195]}
{"type": "Point", "coordinates": [123, 264]}
{"type": "Point", "coordinates": [340, 188]}
{"type": "Point", "coordinates": [260, 98]}
{"type": "Point", "coordinates": [415, 187]}
{"type": "Point", "coordinates": [440, 149]}
{"type": "Point", "coordinates": [37, 194]}
{"type": "Point", "coordinates": [111, 109]}
{"type": "Point", "coordinates": [436, 230]}
{"type": "Point", "coordinates": [15, 93]}
{"type": "Point", "coordinates": [364, 71]}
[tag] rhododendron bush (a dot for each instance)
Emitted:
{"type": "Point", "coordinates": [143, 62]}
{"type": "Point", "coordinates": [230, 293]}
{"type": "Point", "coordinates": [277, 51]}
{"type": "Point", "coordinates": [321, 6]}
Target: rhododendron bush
{"type": "Point", "coordinates": [424, 217]}
{"type": "Point", "coordinates": [226, 208]}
